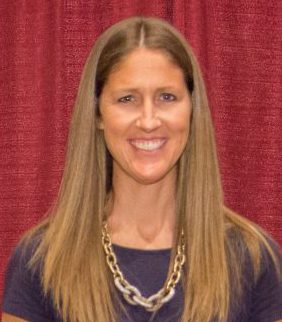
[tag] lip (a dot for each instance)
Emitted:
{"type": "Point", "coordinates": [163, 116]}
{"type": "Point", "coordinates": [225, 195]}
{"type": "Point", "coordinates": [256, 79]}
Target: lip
{"type": "Point", "coordinates": [147, 144]}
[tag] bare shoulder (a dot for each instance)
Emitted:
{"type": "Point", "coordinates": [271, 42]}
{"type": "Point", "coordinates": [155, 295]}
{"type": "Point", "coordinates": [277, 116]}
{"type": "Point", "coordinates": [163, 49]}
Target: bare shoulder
{"type": "Point", "coordinates": [11, 318]}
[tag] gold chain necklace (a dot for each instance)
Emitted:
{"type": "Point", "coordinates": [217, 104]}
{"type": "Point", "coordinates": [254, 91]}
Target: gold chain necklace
{"type": "Point", "coordinates": [131, 294]}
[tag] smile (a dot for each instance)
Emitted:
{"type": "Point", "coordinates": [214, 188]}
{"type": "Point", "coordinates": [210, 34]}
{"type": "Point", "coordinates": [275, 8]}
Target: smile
{"type": "Point", "coordinates": [148, 145]}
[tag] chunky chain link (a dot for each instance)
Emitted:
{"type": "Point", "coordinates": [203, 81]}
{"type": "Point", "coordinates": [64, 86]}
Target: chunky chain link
{"type": "Point", "coordinates": [131, 294]}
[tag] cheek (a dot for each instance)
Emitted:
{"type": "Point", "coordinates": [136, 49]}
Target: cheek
{"type": "Point", "coordinates": [181, 123]}
{"type": "Point", "coordinates": [115, 120]}
{"type": "Point", "coordinates": [114, 136]}
{"type": "Point", "coordinates": [112, 124]}
{"type": "Point", "coordinates": [111, 136]}
{"type": "Point", "coordinates": [183, 130]}
{"type": "Point", "coordinates": [112, 144]}
{"type": "Point", "coordinates": [114, 133]}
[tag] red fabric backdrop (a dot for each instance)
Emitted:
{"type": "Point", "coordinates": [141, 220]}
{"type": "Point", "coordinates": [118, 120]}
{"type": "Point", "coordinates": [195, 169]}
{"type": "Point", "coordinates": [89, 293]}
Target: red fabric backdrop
{"type": "Point", "coordinates": [44, 45]}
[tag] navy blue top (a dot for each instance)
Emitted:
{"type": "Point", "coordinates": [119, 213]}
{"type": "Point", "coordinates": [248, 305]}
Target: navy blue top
{"type": "Point", "coordinates": [147, 270]}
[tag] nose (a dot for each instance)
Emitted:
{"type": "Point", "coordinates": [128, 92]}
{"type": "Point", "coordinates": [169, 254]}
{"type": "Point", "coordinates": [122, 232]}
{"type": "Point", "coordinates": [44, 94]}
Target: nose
{"type": "Point", "coordinates": [148, 119]}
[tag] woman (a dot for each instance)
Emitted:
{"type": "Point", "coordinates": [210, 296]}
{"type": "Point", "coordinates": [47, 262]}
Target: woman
{"type": "Point", "coordinates": [139, 231]}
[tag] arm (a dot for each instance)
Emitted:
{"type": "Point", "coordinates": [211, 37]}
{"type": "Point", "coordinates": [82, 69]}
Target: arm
{"type": "Point", "coordinates": [24, 299]}
{"type": "Point", "coordinates": [11, 318]}
{"type": "Point", "coordinates": [267, 292]}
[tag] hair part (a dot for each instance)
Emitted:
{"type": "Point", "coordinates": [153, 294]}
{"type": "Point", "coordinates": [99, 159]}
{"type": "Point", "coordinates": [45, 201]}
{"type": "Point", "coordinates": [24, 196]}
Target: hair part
{"type": "Point", "coordinates": [74, 270]}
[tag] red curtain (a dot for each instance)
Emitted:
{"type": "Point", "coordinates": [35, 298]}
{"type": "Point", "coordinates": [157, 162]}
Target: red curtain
{"type": "Point", "coordinates": [44, 45]}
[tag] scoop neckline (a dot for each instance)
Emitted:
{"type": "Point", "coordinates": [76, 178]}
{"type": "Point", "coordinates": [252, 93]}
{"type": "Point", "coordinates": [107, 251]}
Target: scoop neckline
{"type": "Point", "coordinates": [141, 251]}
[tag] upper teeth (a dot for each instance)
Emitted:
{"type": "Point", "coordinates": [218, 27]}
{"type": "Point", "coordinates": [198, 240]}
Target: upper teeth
{"type": "Point", "coordinates": [148, 145]}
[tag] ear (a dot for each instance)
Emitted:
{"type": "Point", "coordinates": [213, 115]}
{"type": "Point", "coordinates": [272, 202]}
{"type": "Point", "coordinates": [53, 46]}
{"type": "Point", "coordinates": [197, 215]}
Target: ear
{"type": "Point", "coordinates": [100, 123]}
{"type": "Point", "coordinates": [99, 119]}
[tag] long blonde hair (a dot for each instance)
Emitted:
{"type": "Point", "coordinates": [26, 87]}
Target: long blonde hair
{"type": "Point", "coordinates": [217, 239]}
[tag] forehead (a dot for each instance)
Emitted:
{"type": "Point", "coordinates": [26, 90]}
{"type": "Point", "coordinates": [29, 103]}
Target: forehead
{"type": "Point", "coordinates": [146, 66]}
{"type": "Point", "coordinates": [148, 56]}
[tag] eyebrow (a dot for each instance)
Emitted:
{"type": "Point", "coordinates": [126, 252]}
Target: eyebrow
{"type": "Point", "coordinates": [135, 89]}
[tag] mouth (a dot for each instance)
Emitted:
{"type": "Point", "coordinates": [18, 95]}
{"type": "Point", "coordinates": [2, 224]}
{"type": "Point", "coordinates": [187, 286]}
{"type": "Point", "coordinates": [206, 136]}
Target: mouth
{"type": "Point", "coordinates": [147, 144]}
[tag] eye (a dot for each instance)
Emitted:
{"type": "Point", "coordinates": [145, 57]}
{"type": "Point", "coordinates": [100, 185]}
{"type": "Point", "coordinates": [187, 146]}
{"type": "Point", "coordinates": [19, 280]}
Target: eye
{"type": "Point", "coordinates": [126, 99]}
{"type": "Point", "coordinates": [168, 97]}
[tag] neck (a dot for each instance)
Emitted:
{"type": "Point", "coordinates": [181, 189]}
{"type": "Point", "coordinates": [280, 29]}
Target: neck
{"type": "Point", "coordinates": [143, 216]}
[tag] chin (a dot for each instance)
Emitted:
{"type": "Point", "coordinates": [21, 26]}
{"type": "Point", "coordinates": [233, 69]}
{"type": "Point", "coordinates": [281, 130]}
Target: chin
{"type": "Point", "coordinates": [151, 178]}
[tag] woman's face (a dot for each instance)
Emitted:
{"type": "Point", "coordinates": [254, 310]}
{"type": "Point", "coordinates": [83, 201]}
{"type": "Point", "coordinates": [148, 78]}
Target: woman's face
{"type": "Point", "coordinates": [145, 115]}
